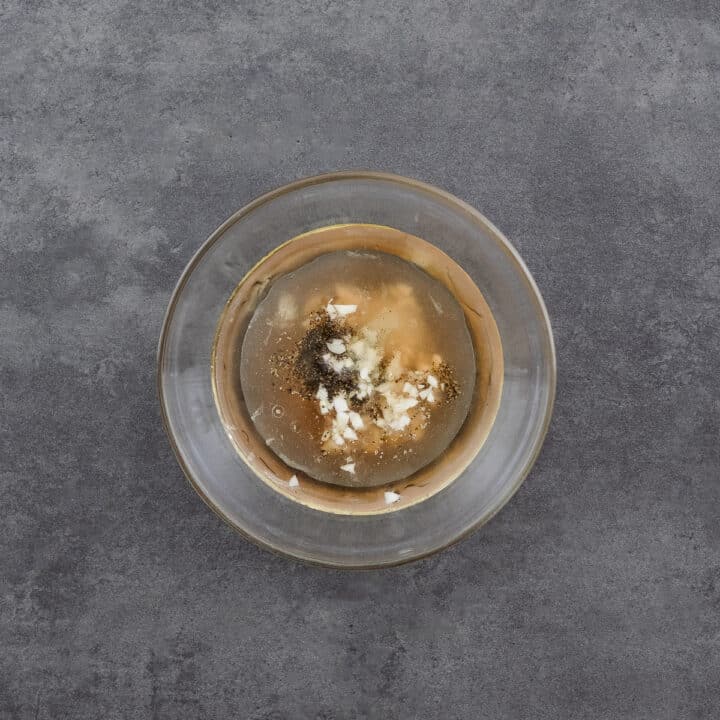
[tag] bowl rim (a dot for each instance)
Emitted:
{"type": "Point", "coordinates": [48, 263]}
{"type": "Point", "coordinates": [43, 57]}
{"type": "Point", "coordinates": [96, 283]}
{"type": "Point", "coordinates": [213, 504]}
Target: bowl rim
{"type": "Point", "coordinates": [447, 197]}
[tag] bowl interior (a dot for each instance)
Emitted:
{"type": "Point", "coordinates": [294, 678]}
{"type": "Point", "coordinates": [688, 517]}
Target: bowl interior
{"type": "Point", "coordinates": [229, 395]}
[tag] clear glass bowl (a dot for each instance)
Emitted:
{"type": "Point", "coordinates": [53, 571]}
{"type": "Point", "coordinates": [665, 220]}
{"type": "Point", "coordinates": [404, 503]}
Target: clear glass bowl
{"type": "Point", "coordinates": [206, 453]}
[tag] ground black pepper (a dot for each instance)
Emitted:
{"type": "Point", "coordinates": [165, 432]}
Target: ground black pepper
{"type": "Point", "coordinates": [310, 368]}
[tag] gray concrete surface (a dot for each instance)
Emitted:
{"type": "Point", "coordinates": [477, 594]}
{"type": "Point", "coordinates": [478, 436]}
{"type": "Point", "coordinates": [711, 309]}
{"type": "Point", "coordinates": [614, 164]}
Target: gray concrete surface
{"type": "Point", "coordinates": [587, 131]}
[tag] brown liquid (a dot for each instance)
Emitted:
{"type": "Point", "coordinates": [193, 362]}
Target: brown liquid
{"type": "Point", "coordinates": [417, 321]}
{"type": "Point", "coordinates": [438, 312]}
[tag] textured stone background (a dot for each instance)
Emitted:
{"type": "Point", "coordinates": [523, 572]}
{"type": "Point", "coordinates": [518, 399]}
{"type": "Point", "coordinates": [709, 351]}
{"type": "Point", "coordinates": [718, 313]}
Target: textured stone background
{"type": "Point", "coordinates": [587, 131]}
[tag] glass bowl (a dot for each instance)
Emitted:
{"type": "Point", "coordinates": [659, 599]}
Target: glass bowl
{"type": "Point", "coordinates": [274, 520]}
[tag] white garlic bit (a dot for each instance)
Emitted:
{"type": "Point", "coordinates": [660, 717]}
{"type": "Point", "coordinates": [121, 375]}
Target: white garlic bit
{"type": "Point", "coordinates": [401, 405]}
{"type": "Point", "coordinates": [364, 390]}
{"type": "Point", "coordinates": [391, 497]}
{"type": "Point", "coordinates": [410, 390]}
{"type": "Point", "coordinates": [344, 310]}
{"type": "Point", "coordinates": [348, 468]}
{"type": "Point", "coordinates": [432, 381]}
{"type": "Point", "coordinates": [336, 346]}
{"type": "Point", "coordinates": [335, 364]}
{"type": "Point", "coordinates": [340, 404]}
{"type": "Point", "coordinates": [293, 481]}
{"type": "Point", "coordinates": [400, 423]}
{"type": "Point", "coordinates": [336, 311]}
{"type": "Point", "coordinates": [323, 400]}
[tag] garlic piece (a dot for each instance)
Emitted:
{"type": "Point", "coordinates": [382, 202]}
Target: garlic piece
{"type": "Point", "coordinates": [401, 405]}
{"type": "Point", "coordinates": [410, 390]}
{"type": "Point", "coordinates": [336, 346]}
{"type": "Point", "coordinates": [336, 311]}
{"type": "Point", "coordinates": [400, 423]}
{"type": "Point", "coordinates": [323, 400]}
{"type": "Point", "coordinates": [336, 364]}
{"type": "Point", "coordinates": [340, 404]}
